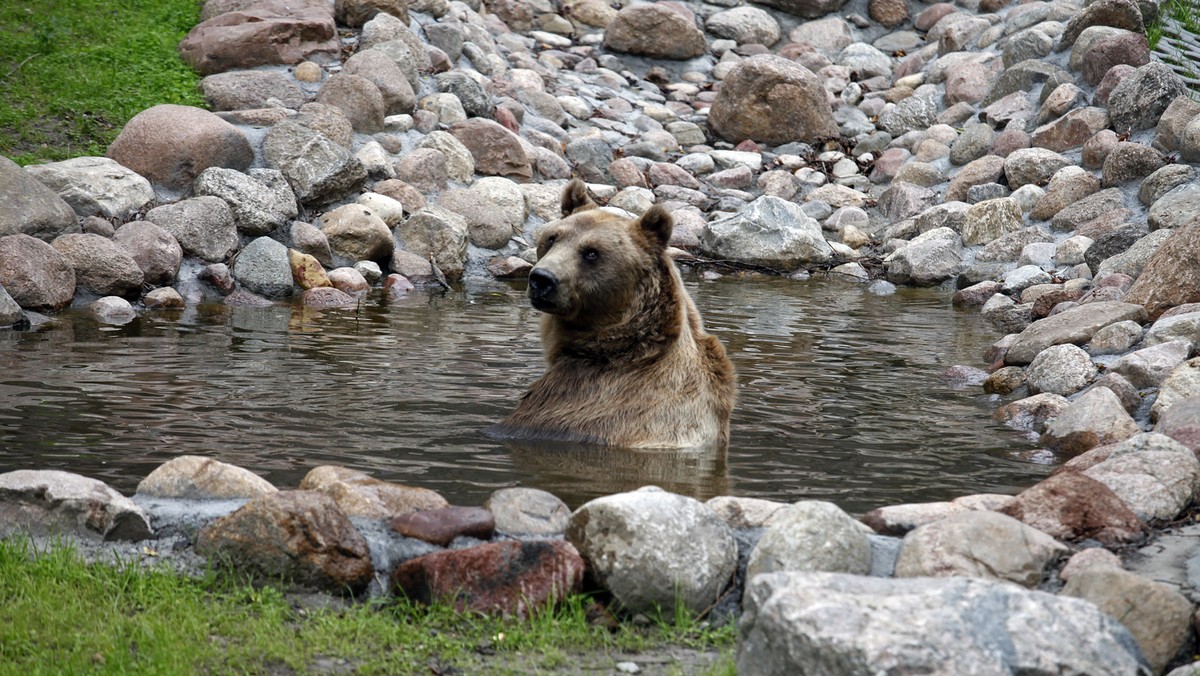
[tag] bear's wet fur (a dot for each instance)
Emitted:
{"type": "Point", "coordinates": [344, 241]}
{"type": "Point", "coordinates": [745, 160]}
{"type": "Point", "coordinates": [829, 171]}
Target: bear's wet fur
{"type": "Point", "coordinates": [628, 362]}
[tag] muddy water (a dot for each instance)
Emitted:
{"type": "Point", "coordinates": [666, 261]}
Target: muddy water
{"type": "Point", "coordinates": [840, 397]}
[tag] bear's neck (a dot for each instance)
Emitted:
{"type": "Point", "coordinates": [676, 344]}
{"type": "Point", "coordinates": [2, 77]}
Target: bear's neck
{"type": "Point", "coordinates": [646, 332]}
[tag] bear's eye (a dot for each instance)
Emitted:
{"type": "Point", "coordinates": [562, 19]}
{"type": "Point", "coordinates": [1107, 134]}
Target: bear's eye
{"type": "Point", "coordinates": [591, 255]}
{"type": "Point", "coordinates": [550, 241]}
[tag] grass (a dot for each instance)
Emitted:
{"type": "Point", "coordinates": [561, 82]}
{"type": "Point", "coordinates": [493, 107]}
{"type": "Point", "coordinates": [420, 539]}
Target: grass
{"type": "Point", "coordinates": [72, 72]}
{"type": "Point", "coordinates": [59, 614]}
{"type": "Point", "coordinates": [1182, 13]}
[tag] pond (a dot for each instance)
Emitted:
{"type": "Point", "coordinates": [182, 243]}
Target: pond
{"type": "Point", "coordinates": [840, 396]}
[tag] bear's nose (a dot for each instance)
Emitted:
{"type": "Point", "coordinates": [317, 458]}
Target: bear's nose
{"type": "Point", "coordinates": [541, 283]}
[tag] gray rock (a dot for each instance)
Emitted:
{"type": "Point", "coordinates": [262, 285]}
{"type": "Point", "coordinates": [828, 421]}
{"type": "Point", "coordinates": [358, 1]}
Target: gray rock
{"type": "Point", "coordinates": [1024, 76]}
{"type": "Point", "coordinates": [1032, 165]}
{"type": "Point", "coordinates": [1094, 419]}
{"type": "Point", "coordinates": [988, 220]}
{"type": "Point", "coordinates": [744, 25]}
{"type": "Point", "coordinates": [653, 548]}
{"type": "Point", "coordinates": [1134, 259]}
{"type": "Point", "coordinates": [1076, 325]}
{"type": "Point", "coordinates": [1128, 162]}
{"type": "Point", "coordinates": [203, 226]}
{"type": "Point", "coordinates": [11, 314]}
{"type": "Point", "coordinates": [28, 207]}
{"type": "Point", "coordinates": [913, 113]}
{"type": "Point", "coordinates": [1182, 383]}
{"type": "Point", "coordinates": [154, 250]}
{"type": "Point", "coordinates": [655, 31]}
{"type": "Point", "coordinates": [829, 624]}
{"type": "Point", "coordinates": [112, 310]}
{"type": "Point", "coordinates": [476, 102]}
{"type": "Point", "coordinates": [1006, 314]}
{"type": "Point", "coordinates": [54, 502]}
{"type": "Point", "coordinates": [1184, 326]}
{"type": "Point", "coordinates": [978, 544]}
{"type": "Point", "coordinates": [900, 519]}
{"type": "Point", "coordinates": [769, 231]}
{"type": "Point", "coordinates": [904, 200]}
{"type": "Point", "coordinates": [811, 535]}
{"type": "Point", "coordinates": [1031, 413]}
{"type": "Point", "coordinates": [191, 477]}
{"type": "Point", "coordinates": [1152, 473]}
{"type": "Point", "coordinates": [743, 513]}
{"type": "Point", "coordinates": [95, 186]}
{"type": "Point", "coordinates": [1138, 101]}
{"type": "Point", "coordinates": [480, 213]}
{"type": "Point", "coordinates": [244, 89]}
{"type": "Point", "coordinates": [356, 233]}
{"type": "Point", "coordinates": [1151, 365]}
{"type": "Point", "coordinates": [35, 274]}
{"type": "Point", "coordinates": [319, 170]}
{"type": "Point", "coordinates": [1177, 208]}
{"type": "Point", "coordinates": [1024, 277]}
{"type": "Point", "coordinates": [438, 234]}
{"type": "Point", "coordinates": [1164, 180]}
{"type": "Point", "coordinates": [388, 78]}
{"type": "Point", "coordinates": [929, 259]}
{"type": "Point", "coordinates": [261, 201]}
{"type": "Point", "coordinates": [101, 266]}
{"type": "Point", "coordinates": [1115, 338]}
{"type": "Point", "coordinates": [1060, 369]}
{"type": "Point", "coordinates": [528, 511]}
{"type": "Point", "coordinates": [262, 268]}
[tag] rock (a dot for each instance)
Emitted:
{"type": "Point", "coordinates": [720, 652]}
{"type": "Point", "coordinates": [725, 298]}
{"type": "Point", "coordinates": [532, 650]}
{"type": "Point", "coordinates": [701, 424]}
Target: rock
{"type": "Point", "coordinates": [101, 266]}
{"type": "Point", "coordinates": [656, 31]}
{"type": "Point", "coordinates": [394, 87]}
{"type": "Point", "coordinates": [913, 113]}
{"type": "Point", "coordinates": [262, 268]}
{"type": "Point", "coordinates": [358, 12]}
{"type": "Point", "coordinates": [1172, 275]}
{"type": "Point", "coordinates": [1150, 366]}
{"type": "Point", "coordinates": [359, 494]}
{"type": "Point", "coordinates": [1181, 422]}
{"type": "Point", "coordinates": [1089, 558]}
{"type": "Point", "coordinates": [486, 226]}
{"type": "Point", "coordinates": [1128, 162]}
{"type": "Point", "coordinates": [11, 315]}
{"type": "Point", "coordinates": [741, 513]}
{"type": "Point", "coordinates": [1060, 369]}
{"type": "Point", "coordinates": [811, 535]}
{"type": "Point", "coordinates": [496, 150]}
{"type": "Point", "coordinates": [829, 623]}
{"type": "Point", "coordinates": [350, 280]}
{"type": "Point", "coordinates": [296, 535]}
{"type": "Point", "coordinates": [744, 25]}
{"type": "Point", "coordinates": [1153, 474]}
{"type": "Point", "coordinates": [770, 232]}
{"type": "Point", "coordinates": [202, 226]}
{"type": "Point", "coordinates": [1032, 165]}
{"type": "Point", "coordinates": [652, 548]}
{"type": "Point", "coordinates": [904, 200]}
{"type": "Point", "coordinates": [509, 267]}
{"type": "Point", "coordinates": [163, 298]}
{"type": "Point", "coordinates": [441, 526]}
{"type": "Point", "coordinates": [1076, 325]}
{"type": "Point", "coordinates": [439, 234]}
{"type": "Point", "coordinates": [358, 98]}
{"type": "Point", "coordinates": [261, 202]}
{"type": "Point", "coordinates": [900, 519]}
{"type": "Point", "coordinates": [191, 477]}
{"type": "Point", "coordinates": [459, 162]}
{"type": "Point", "coordinates": [93, 186]}
{"type": "Point", "coordinates": [1164, 180]}
{"type": "Point", "coordinates": [528, 511]}
{"type": "Point", "coordinates": [246, 89]}
{"type": "Point", "coordinates": [475, 100]}
{"type": "Point", "coordinates": [263, 34]}
{"type": "Point", "coordinates": [1177, 209]}
{"type": "Point", "coordinates": [50, 502]}
{"type": "Point", "coordinates": [1139, 100]}
{"type": "Point", "coordinates": [28, 207]}
{"type": "Point", "coordinates": [1073, 506]}
{"type": "Point", "coordinates": [319, 170]}
{"type": "Point", "coordinates": [1159, 617]}
{"type": "Point", "coordinates": [307, 272]}
{"type": "Point", "coordinates": [987, 169]}
{"type": "Point", "coordinates": [978, 544]}
{"type": "Point", "coordinates": [356, 233]}
{"type": "Point", "coordinates": [171, 145]}
{"type": "Point", "coordinates": [35, 274]}
{"type": "Point", "coordinates": [327, 297]}
{"type": "Point", "coordinates": [1094, 419]}
{"type": "Point", "coordinates": [988, 220]}
{"type": "Point", "coordinates": [112, 310]}
{"type": "Point", "coordinates": [1184, 326]}
{"type": "Point", "coordinates": [154, 250]}
{"type": "Point", "coordinates": [771, 100]}
{"type": "Point", "coordinates": [510, 578]}
{"type": "Point", "coordinates": [928, 259]}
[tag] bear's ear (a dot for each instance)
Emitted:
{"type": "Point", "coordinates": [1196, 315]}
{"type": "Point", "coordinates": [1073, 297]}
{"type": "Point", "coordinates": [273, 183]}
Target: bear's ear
{"type": "Point", "coordinates": [656, 225]}
{"type": "Point", "coordinates": [575, 198]}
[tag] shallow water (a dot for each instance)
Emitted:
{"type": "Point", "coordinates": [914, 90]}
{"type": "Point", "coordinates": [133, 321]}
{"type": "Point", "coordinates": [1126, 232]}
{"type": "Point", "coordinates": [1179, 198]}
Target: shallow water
{"type": "Point", "coordinates": [840, 397]}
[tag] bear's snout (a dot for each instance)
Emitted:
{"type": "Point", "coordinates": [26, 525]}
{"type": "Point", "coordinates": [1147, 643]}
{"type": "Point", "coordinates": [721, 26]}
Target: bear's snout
{"type": "Point", "coordinates": [542, 284]}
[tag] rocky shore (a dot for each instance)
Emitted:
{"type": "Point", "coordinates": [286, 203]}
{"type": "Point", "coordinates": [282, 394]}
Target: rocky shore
{"type": "Point", "coordinates": [1033, 159]}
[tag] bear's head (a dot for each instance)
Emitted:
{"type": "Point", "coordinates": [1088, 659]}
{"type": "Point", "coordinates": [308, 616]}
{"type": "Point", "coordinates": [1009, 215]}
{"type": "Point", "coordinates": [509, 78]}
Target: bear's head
{"type": "Point", "coordinates": [594, 266]}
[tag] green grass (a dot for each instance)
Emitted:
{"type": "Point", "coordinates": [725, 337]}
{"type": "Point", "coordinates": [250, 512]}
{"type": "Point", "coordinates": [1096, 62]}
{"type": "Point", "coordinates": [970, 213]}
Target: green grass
{"type": "Point", "coordinates": [72, 72]}
{"type": "Point", "coordinates": [61, 615]}
{"type": "Point", "coordinates": [1184, 14]}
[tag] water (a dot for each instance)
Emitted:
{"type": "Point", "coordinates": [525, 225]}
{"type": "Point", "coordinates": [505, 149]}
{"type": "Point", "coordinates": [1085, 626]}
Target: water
{"type": "Point", "coordinates": [840, 397]}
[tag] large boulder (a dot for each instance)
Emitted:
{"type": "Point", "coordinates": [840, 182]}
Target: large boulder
{"type": "Point", "coordinates": [170, 145]}
{"type": "Point", "coordinates": [50, 502]}
{"type": "Point", "coordinates": [1076, 325]}
{"type": "Point", "coordinates": [1094, 419]}
{"type": "Point", "coordinates": [300, 536]}
{"type": "Point", "coordinates": [930, 258]}
{"type": "Point", "coordinates": [203, 226]}
{"type": "Point", "coordinates": [1152, 473]}
{"type": "Point", "coordinates": [269, 32]}
{"type": "Point", "coordinates": [978, 544]}
{"type": "Point", "coordinates": [769, 231]}
{"type": "Point", "coordinates": [35, 274]}
{"type": "Point", "coordinates": [1172, 276]}
{"type": "Point", "coordinates": [1138, 101]}
{"type": "Point", "coordinates": [95, 186]}
{"type": "Point", "coordinates": [771, 100]}
{"type": "Point", "coordinates": [653, 548]}
{"type": "Point", "coordinates": [830, 624]}
{"type": "Point", "coordinates": [261, 201]}
{"type": "Point", "coordinates": [438, 234]}
{"type": "Point", "coordinates": [101, 266]}
{"type": "Point", "coordinates": [662, 30]}
{"type": "Point", "coordinates": [28, 207]}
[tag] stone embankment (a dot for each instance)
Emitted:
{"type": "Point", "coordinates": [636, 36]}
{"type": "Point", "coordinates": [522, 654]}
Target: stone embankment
{"type": "Point", "coordinates": [1033, 156]}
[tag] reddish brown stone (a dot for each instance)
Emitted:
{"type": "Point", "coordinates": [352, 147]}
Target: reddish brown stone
{"type": "Point", "coordinates": [299, 536]}
{"type": "Point", "coordinates": [1129, 49]}
{"type": "Point", "coordinates": [440, 526]}
{"type": "Point", "coordinates": [506, 578]}
{"type": "Point", "coordinates": [1073, 506]}
{"type": "Point", "coordinates": [171, 145]}
{"type": "Point", "coordinates": [269, 33]}
{"type": "Point", "coordinates": [497, 151]}
{"type": "Point", "coordinates": [1172, 276]}
{"type": "Point", "coordinates": [890, 13]}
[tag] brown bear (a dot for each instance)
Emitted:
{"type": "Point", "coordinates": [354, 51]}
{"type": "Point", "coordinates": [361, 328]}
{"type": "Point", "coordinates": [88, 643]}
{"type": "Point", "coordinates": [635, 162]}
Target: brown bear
{"type": "Point", "coordinates": [628, 361]}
